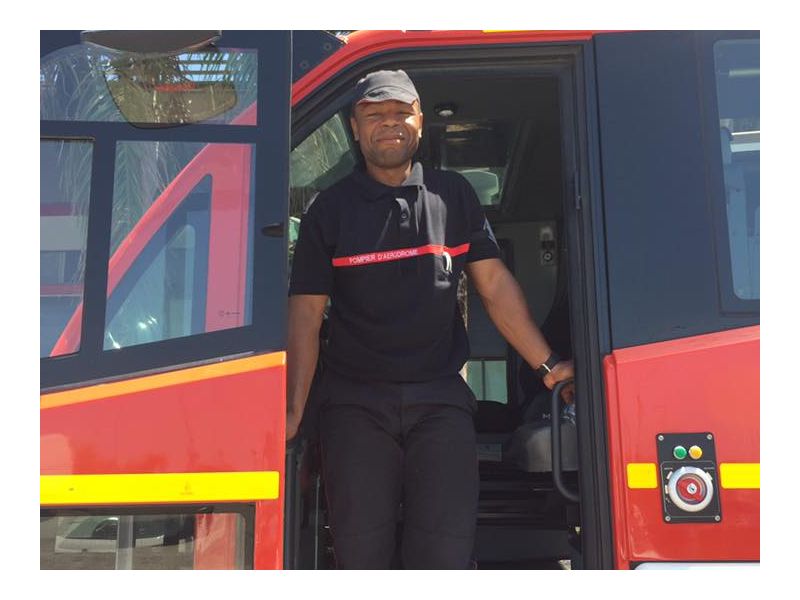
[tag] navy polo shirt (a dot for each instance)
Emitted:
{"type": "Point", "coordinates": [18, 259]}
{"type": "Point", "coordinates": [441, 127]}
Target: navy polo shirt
{"type": "Point", "coordinates": [390, 259]}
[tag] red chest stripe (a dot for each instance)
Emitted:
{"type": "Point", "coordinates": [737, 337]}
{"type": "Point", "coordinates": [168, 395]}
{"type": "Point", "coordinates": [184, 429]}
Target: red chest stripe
{"type": "Point", "coordinates": [399, 254]}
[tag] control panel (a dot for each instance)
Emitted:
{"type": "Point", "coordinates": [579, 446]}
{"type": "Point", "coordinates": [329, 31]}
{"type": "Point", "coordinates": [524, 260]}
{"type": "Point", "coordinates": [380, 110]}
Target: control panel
{"type": "Point", "coordinates": [689, 477]}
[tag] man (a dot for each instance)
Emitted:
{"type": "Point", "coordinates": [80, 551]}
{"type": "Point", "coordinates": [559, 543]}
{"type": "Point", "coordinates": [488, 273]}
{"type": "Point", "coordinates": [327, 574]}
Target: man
{"type": "Point", "coordinates": [387, 245]}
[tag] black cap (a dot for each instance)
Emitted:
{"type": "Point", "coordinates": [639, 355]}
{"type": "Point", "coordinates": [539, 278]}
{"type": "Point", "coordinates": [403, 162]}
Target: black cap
{"type": "Point", "coordinates": [385, 85]}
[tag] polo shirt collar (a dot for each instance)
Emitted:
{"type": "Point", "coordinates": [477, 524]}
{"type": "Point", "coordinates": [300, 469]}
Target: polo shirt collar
{"type": "Point", "coordinates": [415, 177]}
{"type": "Point", "coordinates": [376, 189]}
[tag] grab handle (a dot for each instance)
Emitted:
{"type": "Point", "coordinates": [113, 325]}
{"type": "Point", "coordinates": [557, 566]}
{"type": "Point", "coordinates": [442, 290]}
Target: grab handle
{"type": "Point", "coordinates": [555, 441]}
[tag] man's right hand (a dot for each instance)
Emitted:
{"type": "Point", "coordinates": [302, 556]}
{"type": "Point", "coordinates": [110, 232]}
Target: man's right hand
{"type": "Point", "coordinates": [302, 352]}
{"type": "Point", "coordinates": [292, 424]}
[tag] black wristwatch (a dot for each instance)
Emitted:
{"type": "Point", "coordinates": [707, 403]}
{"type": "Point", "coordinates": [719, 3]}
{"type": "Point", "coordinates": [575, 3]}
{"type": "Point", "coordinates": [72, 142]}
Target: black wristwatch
{"type": "Point", "coordinates": [547, 366]}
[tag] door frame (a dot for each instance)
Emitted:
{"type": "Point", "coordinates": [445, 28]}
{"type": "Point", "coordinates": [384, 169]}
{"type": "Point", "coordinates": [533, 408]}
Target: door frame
{"type": "Point", "coordinates": [585, 238]}
{"type": "Point", "coordinates": [588, 294]}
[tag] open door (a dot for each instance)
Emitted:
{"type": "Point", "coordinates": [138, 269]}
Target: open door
{"type": "Point", "coordinates": [164, 165]}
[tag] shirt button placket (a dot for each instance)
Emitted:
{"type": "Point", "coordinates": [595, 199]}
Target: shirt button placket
{"type": "Point", "coordinates": [405, 213]}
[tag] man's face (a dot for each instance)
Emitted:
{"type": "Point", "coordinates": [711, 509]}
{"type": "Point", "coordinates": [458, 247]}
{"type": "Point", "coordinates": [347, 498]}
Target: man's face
{"type": "Point", "coordinates": [388, 132]}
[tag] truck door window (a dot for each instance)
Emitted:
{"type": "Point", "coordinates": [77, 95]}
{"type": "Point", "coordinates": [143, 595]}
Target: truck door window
{"type": "Point", "coordinates": [162, 304]}
{"type": "Point", "coordinates": [737, 69]}
{"type": "Point", "coordinates": [175, 238]}
{"type": "Point", "coordinates": [65, 176]}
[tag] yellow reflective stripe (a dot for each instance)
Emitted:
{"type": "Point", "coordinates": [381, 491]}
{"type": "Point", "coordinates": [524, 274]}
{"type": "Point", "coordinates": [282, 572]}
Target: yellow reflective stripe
{"type": "Point", "coordinates": [642, 476]}
{"type": "Point", "coordinates": [733, 476]}
{"type": "Point", "coordinates": [740, 476]}
{"type": "Point", "coordinates": [158, 488]}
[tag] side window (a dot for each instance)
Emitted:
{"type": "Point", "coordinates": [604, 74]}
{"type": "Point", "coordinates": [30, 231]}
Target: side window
{"type": "Point", "coordinates": [163, 294]}
{"type": "Point", "coordinates": [319, 161]}
{"type": "Point", "coordinates": [178, 236]}
{"type": "Point", "coordinates": [65, 176]}
{"type": "Point", "coordinates": [129, 540]}
{"type": "Point", "coordinates": [180, 244]}
{"type": "Point", "coordinates": [737, 67]}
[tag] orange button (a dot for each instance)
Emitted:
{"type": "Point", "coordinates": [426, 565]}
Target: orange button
{"type": "Point", "coordinates": [695, 452]}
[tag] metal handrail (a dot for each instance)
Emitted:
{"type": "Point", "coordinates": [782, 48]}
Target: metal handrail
{"type": "Point", "coordinates": [555, 442]}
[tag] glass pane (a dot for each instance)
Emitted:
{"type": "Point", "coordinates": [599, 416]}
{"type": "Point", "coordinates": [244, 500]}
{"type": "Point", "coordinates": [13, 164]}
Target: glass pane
{"type": "Point", "coordinates": [65, 176]}
{"type": "Point", "coordinates": [318, 162]}
{"type": "Point", "coordinates": [87, 83]}
{"type": "Point", "coordinates": [738, 94]}
{"type": "Point", "coordinates": [496, 385]}
{"type": "Point", "coordinates": [160, 305]}
{"type": "Point", "coordinates": [180, 241]}
{"type": "Point", "coordinates": [126, 541]}
{"type": "Point", "coordinates": [475, 378]}
{"type": "Point", "coordinates": [480, 151]}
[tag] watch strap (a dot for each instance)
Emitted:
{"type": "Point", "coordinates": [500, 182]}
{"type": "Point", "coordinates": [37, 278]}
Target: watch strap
{"type": "Point", "coordinates": [548, 365]}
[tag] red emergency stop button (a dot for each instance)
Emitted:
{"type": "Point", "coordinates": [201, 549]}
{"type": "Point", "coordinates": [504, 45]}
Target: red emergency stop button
{"type": "Point", "coordinates": [690, 489]}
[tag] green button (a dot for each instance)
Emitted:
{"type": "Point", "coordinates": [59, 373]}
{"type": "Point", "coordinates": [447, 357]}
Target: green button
{"type": "Point", "coordinates": [679, 452]}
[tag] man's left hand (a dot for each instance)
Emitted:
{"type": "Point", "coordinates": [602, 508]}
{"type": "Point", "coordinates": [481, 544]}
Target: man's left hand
{"type": "Point", "coordinates": [563, 371]}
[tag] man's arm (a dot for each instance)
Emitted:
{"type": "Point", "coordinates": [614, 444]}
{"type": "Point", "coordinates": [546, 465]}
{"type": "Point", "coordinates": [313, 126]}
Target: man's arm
{"type": "Point", "coordinates": [305, 320]}
{"type": "Point", "coordinates": [505, 303]}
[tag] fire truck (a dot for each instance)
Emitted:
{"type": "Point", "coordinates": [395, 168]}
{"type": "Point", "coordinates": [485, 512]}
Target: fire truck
{"type": "Point", "coordinates": [620, 173]}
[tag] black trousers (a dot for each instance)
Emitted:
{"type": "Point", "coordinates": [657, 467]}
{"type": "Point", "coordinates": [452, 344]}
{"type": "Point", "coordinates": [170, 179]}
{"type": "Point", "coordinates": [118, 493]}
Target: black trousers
{"type": "Point", "coordinates": [400, 451]}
